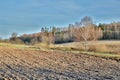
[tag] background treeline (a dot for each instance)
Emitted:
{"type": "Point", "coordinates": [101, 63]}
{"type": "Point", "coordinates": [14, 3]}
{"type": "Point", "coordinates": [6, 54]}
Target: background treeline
{"type": "Point", "coordinates": [111, 31]}
{"type": "Point", "coordinates": [84, 30]}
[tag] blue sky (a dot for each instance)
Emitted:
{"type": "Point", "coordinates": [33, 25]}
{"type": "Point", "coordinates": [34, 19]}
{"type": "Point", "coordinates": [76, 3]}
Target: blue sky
{"type": "Point", "coordinates": [28, 16]}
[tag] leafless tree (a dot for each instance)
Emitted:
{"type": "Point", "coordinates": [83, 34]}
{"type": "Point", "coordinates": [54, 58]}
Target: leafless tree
{"type": "Point", "coordinates": [84, 30]}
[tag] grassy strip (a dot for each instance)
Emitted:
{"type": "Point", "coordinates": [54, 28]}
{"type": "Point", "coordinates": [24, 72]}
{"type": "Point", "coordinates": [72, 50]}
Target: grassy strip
{"type": "Point", "coordinates": [107, 55]}
{"type": "Point", "coordinates": [99, 54]}
{"type": "Point", "coordinates": [17, 46]}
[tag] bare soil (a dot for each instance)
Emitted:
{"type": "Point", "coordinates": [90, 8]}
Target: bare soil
{"type": "Point", "coordinates": [25, 64]}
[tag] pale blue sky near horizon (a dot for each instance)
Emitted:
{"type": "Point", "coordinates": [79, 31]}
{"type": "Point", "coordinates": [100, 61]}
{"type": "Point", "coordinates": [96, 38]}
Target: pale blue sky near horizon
{"type": "Point", "coordinates": [28, 16]}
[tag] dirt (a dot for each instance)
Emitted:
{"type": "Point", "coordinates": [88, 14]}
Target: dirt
{"type": "Point", "coordinates": [24, 64]}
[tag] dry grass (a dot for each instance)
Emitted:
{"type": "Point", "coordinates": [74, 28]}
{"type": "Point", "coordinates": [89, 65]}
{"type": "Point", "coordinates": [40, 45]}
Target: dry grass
{"type": "Point", "coordinates": [112, 47]}
{"type": "Point", "coordinates": [105, 48]}
{"type": "Point", "coordinates": [98, 48]}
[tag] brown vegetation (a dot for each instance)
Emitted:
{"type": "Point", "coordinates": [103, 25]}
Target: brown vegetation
{"type": "Point", "coordinates": [112, 47]}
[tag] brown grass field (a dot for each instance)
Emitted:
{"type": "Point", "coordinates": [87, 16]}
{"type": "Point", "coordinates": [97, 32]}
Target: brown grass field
{"type": "Point", "coordinates": [20, 62]}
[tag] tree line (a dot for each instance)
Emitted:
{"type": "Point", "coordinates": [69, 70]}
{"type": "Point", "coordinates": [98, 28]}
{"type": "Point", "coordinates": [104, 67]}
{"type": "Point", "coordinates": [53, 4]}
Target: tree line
{"type": "Point", "coordinates": [84, 30]}
{"type": "Point", "coordinates": [111, 31]}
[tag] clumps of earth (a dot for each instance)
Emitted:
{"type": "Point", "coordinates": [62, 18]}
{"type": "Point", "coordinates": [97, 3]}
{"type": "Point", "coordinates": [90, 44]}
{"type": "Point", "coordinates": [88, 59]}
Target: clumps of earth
{"type": "Point", "coordinates": [20, 64]}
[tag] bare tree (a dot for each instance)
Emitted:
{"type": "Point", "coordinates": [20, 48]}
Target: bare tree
{"type": "Point", "coordinates": [0, 39]}
{"type": "Point", "coordinates": [84, 30]}
{"type": "Point", "coordinates": [53, 34]}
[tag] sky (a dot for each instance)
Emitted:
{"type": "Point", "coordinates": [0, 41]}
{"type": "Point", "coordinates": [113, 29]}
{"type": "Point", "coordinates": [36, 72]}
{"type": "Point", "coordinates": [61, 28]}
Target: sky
{"type": "Point", "coordinates": [28, 16]}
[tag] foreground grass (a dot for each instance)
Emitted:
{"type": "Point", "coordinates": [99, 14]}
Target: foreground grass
{"type": "Point", "coordinates": [107, 49]}
{"type": "Point", "coordinates": [19, 46]}
{"type": "Point", "coordinates": [99, 54]}
{"type": "Point", "coordinates": [45, 47]}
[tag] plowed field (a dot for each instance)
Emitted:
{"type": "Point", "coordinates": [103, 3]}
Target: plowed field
{"type": "Point", "coordinates": [25, 64]}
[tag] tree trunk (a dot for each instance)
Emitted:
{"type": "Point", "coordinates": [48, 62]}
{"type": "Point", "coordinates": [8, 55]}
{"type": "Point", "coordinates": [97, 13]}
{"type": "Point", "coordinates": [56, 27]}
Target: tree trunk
{"type": "Point", "coordinates": [86, 47]}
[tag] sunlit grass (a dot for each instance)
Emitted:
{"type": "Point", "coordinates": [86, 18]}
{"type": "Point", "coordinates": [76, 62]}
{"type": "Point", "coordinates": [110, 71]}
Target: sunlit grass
{"type": "Point", "coordinates": [51, 47]}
